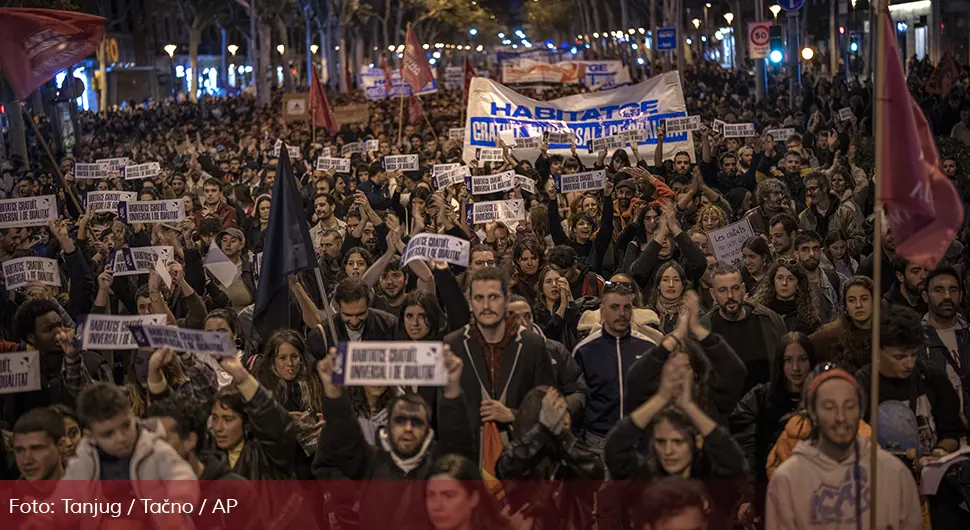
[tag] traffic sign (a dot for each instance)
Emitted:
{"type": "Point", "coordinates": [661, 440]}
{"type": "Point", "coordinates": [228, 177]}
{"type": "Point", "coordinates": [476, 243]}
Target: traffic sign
{"type": "Point", "coordinates": [791, 5]}
{"type": "Point", "coordinates": [759, 34]}
{"type": "Point", "coordinates": [666, 38]}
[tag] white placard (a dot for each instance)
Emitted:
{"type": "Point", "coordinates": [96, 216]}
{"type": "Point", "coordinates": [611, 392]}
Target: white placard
{"type": "Point", "coordinates": [275, 152]}
{"type": "Point", "coordinates": [110, 332]}
{"type": "Point", "coordinates": [507, 137]}
{"type": "Point", "coordinates": [21, 271]}
{"type": "Point", "coordinates": [141, 171]}
{"type": "Point", "coordinates": [113, 165]}
{"type": "Point", "coordinates": [400, 163]}
{"type": "Point", "coordinates": [482, 184]}
{"type": "Point", "coordinates": [726, 242]}
{"type": "Point", "coordinates": [167, 211]}
{"type": "Point", "coordinates": [485, 154]}
{"type": "Point", "coordinates": [560, 137]}
{"type": "Point", "coordinates": [293, 151]}
{"type": "Point", "coordinates": [525, 184]}
{"type": "Point", "coordinates": [139, 260]}
{"type": "Point", "coordinates": [587, 180]}
{"type": "Point", "coordinates": [107, 201]}
{"type": "Point", "coordinates": [781, 135]}
{"type": "Point", "coordinates": [452, 176]}
{"type": "Point", "coordinates": [528, 142]}
{"type": "Point", "coordinates": [739, 130]}
{"type": "Point", "coordinates": [352, 148]}
{"type": "Point", "coordinates": [93, 171]}
{"type": "Point", "coordinates": [456, 132]}
{"type": "Point", "coordinates": [381, 363]}
{"type": "Point", "coordinates": [438, 169]}
{"type": "Point", "coordinates": [214, 343]}
{"type": "Point", "coordinates": [681, 125]}
{"type": "Point", "coordinates": [483, 212]}
{"type": "Point", "coordinates": [372, 145]}
{"type": "Point", "coordinates": [608, 143]}
{"type": "Point", "coordinates": [439, 247]}
{"type": "Point", "coordinates": [28, 211]}
{"type": "Point", "coordinates": [845, 114]}
{"type": "Point", "coordinates": [633, 136]}
{"type": "Point", "coordinates": [718, 126]}
{"type": "Point", "coordinates": [19, 372]}
{"type": "Point", "coordinates": [339, 165]}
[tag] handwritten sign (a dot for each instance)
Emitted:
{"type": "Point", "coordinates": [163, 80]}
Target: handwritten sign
{"type": "Point", "coordinates": [339, 165]}
{"type": "Point", "coordinates": [107, 201]}
{"type": "Point", "coordinates": [449, 177]}
{"type": "Point", "coordinates": [456, 133]}
{"type": "Point", "coordinates": [141, 171]}
{"type": "Point", "coordinates": [139, 260]}
{"type": "Point", "coordinates": [739, 130]}
{"type": "Point", "coordinates": [525, 184]}
{"type": "Point", "coordinates": [483, 212]}
{"type": "Point", "coordinates": [19, 372]}
{"type": "Point", "coordinates": [214, 343]}
{"type": "Point", "coordinates": [400, 163]}
{"type": "Point", "coordinates": [673, 126]}
{"type": "Point", "coordinates": [21, 271]}
{"type": "Point", "coordinates": [167, 211]}
{"type": "Point", "coordinates": [29, 211]}
{"type": "Point", "coordinates": [89, 171]}
{"type": "Point", "coordinates": [439, 247]}
{"type": "Point", "coordinates": [587, 180]}
{"type": "Point", "coordinates": [352, 148]}
{"type": "Point", "coordinates": [487, 154]}
{"type": "Point", "coordinates": [726, 242]}
{"type": "Point", "coordinates": [374, 363]}
{"type": "Point", "coordinates": [111, 332]}
{"type": "Point", "coordinates": [482, 184]}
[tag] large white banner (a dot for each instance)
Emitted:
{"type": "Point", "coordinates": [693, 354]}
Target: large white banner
{"type": "Point", "coordinates": [598, 75]}
{"type": "Point", "coordinates": [493, 107]}
{"type": "Point", "coordinates": [372, 83]}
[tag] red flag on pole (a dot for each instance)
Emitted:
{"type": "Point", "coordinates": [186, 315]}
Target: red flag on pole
{"type": "Point", "coordinates": [469, 74]}
{"type": "Point", "coordinates": [415, 69]}
{"type": "Point", "coordinates": [388, 77]}
{"type": "Point", "coordinates": [415, 110]}
{"type": "Point", "coordinates": [35, 44]}
{"type": "Point", "coordinates": [922, 206]}
{"type": "Point", "coordinates": [320, 112]}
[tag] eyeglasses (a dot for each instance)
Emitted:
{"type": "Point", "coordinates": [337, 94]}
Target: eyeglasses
{"type": "Point", "coordinates": [618, 287]}
{"type": "Point", "coordinates": [402, 420]}
{"type": "Point", "coordinates": [787, 262]}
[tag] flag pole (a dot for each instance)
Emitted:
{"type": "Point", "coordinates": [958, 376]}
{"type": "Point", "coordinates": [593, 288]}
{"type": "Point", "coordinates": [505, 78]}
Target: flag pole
{"type": "Point", "coordinates": [400, 116]}
{"type": "Point", "coordinates": [326, 305]}
{"type": "Point", "coordinates": [50, 156]}
{"type": "Point", "coordinates": [428, 121]}
{"type": "Point", "coordinates": [877, 265]}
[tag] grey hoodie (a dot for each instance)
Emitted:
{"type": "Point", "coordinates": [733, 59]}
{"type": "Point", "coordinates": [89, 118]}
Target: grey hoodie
{"type": "Point", "coordinates": [812, 491]}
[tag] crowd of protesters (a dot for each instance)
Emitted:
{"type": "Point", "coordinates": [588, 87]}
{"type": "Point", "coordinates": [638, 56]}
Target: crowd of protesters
{"type": "Point", "coordinates": [649, 385]}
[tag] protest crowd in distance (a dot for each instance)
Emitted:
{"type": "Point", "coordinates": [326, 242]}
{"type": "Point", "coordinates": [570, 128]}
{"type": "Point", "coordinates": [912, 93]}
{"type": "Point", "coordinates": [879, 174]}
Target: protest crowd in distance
{"type": "Point", "coordinates": [650, 309]}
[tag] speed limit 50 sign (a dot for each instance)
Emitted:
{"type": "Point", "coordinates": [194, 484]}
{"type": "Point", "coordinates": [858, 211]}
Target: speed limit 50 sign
{"type": "Point", "coordinates": [758, 36]}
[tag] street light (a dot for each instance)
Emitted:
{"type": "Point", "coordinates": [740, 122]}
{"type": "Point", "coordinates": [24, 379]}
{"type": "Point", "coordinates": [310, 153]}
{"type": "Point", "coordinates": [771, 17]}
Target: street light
{"type": "Point", "coordinates": [808, 53]}
{"type": "Point", "coordinates": [697, 23]}
{"type": "Point", "coordinates": [473, 32]}
{"type": "Point", "coordinates": [729, 17]}
{"type": "Point", "coordinates": [280, 48]}
{"type": "Point", "coordinates": [232, 49]}
{"type": "Point", "coordinates": [170, 50]}
{"type": "Point", "coordinates": [775, 9]}
{"type": "Point", "coordinates": [314, 48]}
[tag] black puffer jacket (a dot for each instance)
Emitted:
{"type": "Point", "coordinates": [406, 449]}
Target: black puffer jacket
{"type": "Point", "coordinates": [270, 438]}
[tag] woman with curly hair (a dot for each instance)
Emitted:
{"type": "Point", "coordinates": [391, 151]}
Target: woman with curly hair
{"type": "Point", "coordinates": [527, 258]}
{"type": "Point", "coordinates": [847, 341]}
{"type": "Point", "coordinates": [786, 290]}
{"type": "Point", "coordinates": [711, 217]}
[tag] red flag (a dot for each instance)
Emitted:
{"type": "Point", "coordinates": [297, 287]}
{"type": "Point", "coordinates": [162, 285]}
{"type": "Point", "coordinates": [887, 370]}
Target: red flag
{"type": "Point", "coordinates": [922, 205]}
{"type": "Point", "coordinates": [415, 110]}
{"type": "Point", "coordinates": [35, 44]}
{"type": "Point", "coordinates": [469, 74]}
{"type": "Point", "coordinates": [415, 69]}
{"type": "Point", "coordinates": [320, 112]}
{"type": "Point", "coordinates": [388, 77]}
{"type": "Point", "coordinates": [942, 77]}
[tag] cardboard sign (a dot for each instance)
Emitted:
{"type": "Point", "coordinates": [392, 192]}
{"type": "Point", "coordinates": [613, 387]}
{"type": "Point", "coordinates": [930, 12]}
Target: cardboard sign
{"type": "Point", "coordinates": [480, 185]}
{"type": "Point", "coordinates": [138, 260]}
{"type": "Point", "coordinates": [29, 211]}
{"type": "Point", "coordinates": [19, 372]}
{"type": "Point", "coordinates": [141, 171]}
{"type": "Point", "coordinates": [483, 212]}
{"type": "Point", "coordinates": [113, 165]}
{"type": "Point", "coordinates": [781, 135]}
{"type": "Point", "coordinates": [374, 363]}
{"type": "Point", "coordinates": [726, 242]}
{"type": "Point", "coordinates": [400, 163]}
{"type": "Point", "coordinates": [681, 125]}
{"type": "Point", "coordinates": [111, 332]}
{"type": "Point", "coordinates": [214, 343]}
{"type": "Point", "coordinates": [339, 165]}
{"type": "Point", "coordinates": [485, 154]}
{"type": "Point", "coordinates": [347, 114]}
{"type": "Point", "coordinates": [456, 132]}
{"type": "Point", "coordinates": [168, 211]}
{"type": "Point", "coordinates": [21, 271]}
{"type": "Point", "coordinates": [107, 201]}
{"type": "Point", "coordinates": [439, 247]}
{"type": "Point", "coordinates": [372, 145]}
{"type": "Point", "coordinates": [93, 171]}
{"type": "Point", "coordinates": [525, 184]}
{"type": "Point", "coordinates": [587, 180]}
{"type": "Point", "coordinates": [845, 114]}
{"type": "Point", "coordinates": [739, 130]}
{"type": "Point", "coordinates": [449, 177]}
{"type": "Point", "coordinates": [352, 148]}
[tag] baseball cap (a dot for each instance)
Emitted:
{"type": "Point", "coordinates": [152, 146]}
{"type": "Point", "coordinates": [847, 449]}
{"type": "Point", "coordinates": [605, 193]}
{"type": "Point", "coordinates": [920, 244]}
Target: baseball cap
{"type": "Point", "coordinates": [233, 232]}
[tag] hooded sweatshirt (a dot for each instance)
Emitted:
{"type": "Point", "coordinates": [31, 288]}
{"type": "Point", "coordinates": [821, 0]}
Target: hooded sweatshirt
{"type": "Point", "coordinates": [812, 491]}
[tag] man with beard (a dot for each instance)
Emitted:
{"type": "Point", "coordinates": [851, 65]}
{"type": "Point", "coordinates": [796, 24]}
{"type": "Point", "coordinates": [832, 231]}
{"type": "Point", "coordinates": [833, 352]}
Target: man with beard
{"type": "Point", "coordinates": [681, 167]}
{"type": "Point", "coordinates": [772, 198]}
{"type": "Point", "coordinates": [330, 243]}
{"type": "Point", "coordinates": [908, 288]}
{"type": "Point", "coordinates": [782, 229]}
{"type": "Point", "coordinates": [826, 283]}
{"type": "Point", "coordinates": [406, 450]}
{"type": "Point", "coordinates": [324, 206]}
{"type": "Point", "coordinates": [753, 330]}
{"type": "Point", "coordinates": [826, 481]}
{"type": "Point", "coordinates": [789, 172]}
{"type": "Point", "coordinates": [828, 213]}
{"type": "Point", "coordinates": [393, 283]}
{"type": "Point", "coordinates": [506, 361]}
{"type": "Point", "coordinates": [946, 331]}
{"type": "Point", "coordinates": [357, 320]}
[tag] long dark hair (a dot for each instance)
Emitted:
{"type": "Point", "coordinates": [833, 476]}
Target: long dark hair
{"type": "Point", "coordinates": [805, 299]}
{"type": "Point", "coordinates": [311, 390]}
{"type": "Point", "coordinates": [777, 388]}
{"type": "Point", "coordinates": [487, 515]}
{"type": "Point", "coordinates": [435, 317]}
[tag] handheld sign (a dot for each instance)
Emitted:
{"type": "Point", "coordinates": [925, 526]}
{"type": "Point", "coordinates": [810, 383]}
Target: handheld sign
{"type": "Point", "coordinates": [607, 143]}
{"type": "Point", "coordinates": [339, 165]}
{"type": "Point", "coordinates": [528, 142]}
{"type": "Point", "coordinates": [633, 136]}
{"type": "Point", "coordinates": [139, 260]}
{"type": "Point", "coordinates": [566, 137]}
{"type": "Point", "coordinates": [525, 184]}
{"type": "Point", "coordinates": [482, 184]}
{"type": "Point", "coordinates": [107, 201]}
{"type": "Point", "coordinates": [507, 136]}
{"type": "Point", "coordinates": [168, 211]}
{"type": "Point", "coordinates": [587, 180]}
{"type": "Point", "coordinates": [275, 152]}
{"type": "Point", "coordinates": [28, 211]}
{"type": "Point", "coordinates": [214, 343]}
{"type": "Point", "coordinates": [845, 114]}
{"type": "Point", "coordinates": [739, 130]}
{"type": "Point", "coordinates": [400, 163]}
{"type": "Point", "coordinates": [726, 242]}
{"type": "Point", "coordinates": [372, 145]}
{"type": "Point", "coordinates": [483, 212]}
{"type": "Point", "coordinates": [456, 132]}
{"type": "Point", "coordinates": [439, 247]}
{"type": "Point", "coordinates": [451, 176]}
{"type": "Point", "coordinates": [113, 165]}
{"type": "Point", "coordinates": [293, 151]}
{"type": "Point", "coordinates": [718, 127]}
{"type": "Point", "coordinates": [390, 363]}
{"type": "Point", "coordinates": [89, 171]}
{"type": "Point", "coordinates": [781, 135]}
{"type": "Point", "coordinates": [111, 332]}
{"type": "Point", "coordinates": [486, 154]}
{"type": "Point", "coordinates": [351, 148]}
{"type": "Point", "coordinates": [438, 169]}
{"type": "Point", "coordinates": [21, 271]}
{"type": "Point", "coordinates": [684, 124]}
{"type": "Point", "coordinates": [141, 171]}
{"type": "Point", "coordinates": [19, 372]}
{"type": "Point", "coordinates": [257, 265]}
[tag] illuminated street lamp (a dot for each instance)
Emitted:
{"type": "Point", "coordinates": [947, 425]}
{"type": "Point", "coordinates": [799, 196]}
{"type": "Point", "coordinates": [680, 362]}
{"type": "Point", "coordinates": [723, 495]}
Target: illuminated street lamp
{"type": "Point", "coordinates": [775, 9]}
{"type": "Point", "coordinates": [170, 50]}
{"type": "Point", "coordinates": [808, 53]}
{"type": "Point", "coordinates": [232, 49]}
{"type": "Point", "coordinates": [281, 49]}
{"type": "Point", "coordinates": [697, 23]}
{"type": "Point", "coordinates": [729, 17]}
{"type": "Point", "coordinates": [314, 48]}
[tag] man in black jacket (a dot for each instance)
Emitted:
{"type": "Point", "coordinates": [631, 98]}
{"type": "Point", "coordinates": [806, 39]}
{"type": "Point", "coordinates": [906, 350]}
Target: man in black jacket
{"type": "Point", "coordinates": [357, 320]}
{"type": "Point", "coordinates": [406, 448]}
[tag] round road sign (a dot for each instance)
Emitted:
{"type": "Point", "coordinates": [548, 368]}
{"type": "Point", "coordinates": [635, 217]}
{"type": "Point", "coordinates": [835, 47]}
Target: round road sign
{"type": "Point", "coordinates": [791, 5]}
{"type": "Point", "coordinates": [760, 35]}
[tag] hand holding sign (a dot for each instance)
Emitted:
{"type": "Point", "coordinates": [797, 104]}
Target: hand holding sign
{"type": "Point", "coordinates": [453, 365]}
{"type": "Point", "coordinates": [159, 360]}
{"type": "Point", "coordinates": [233, 366]}
{"type": "Point", "coordinates": [325, 373]}
{"type": "Point", "coordinates": [65, 338]}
